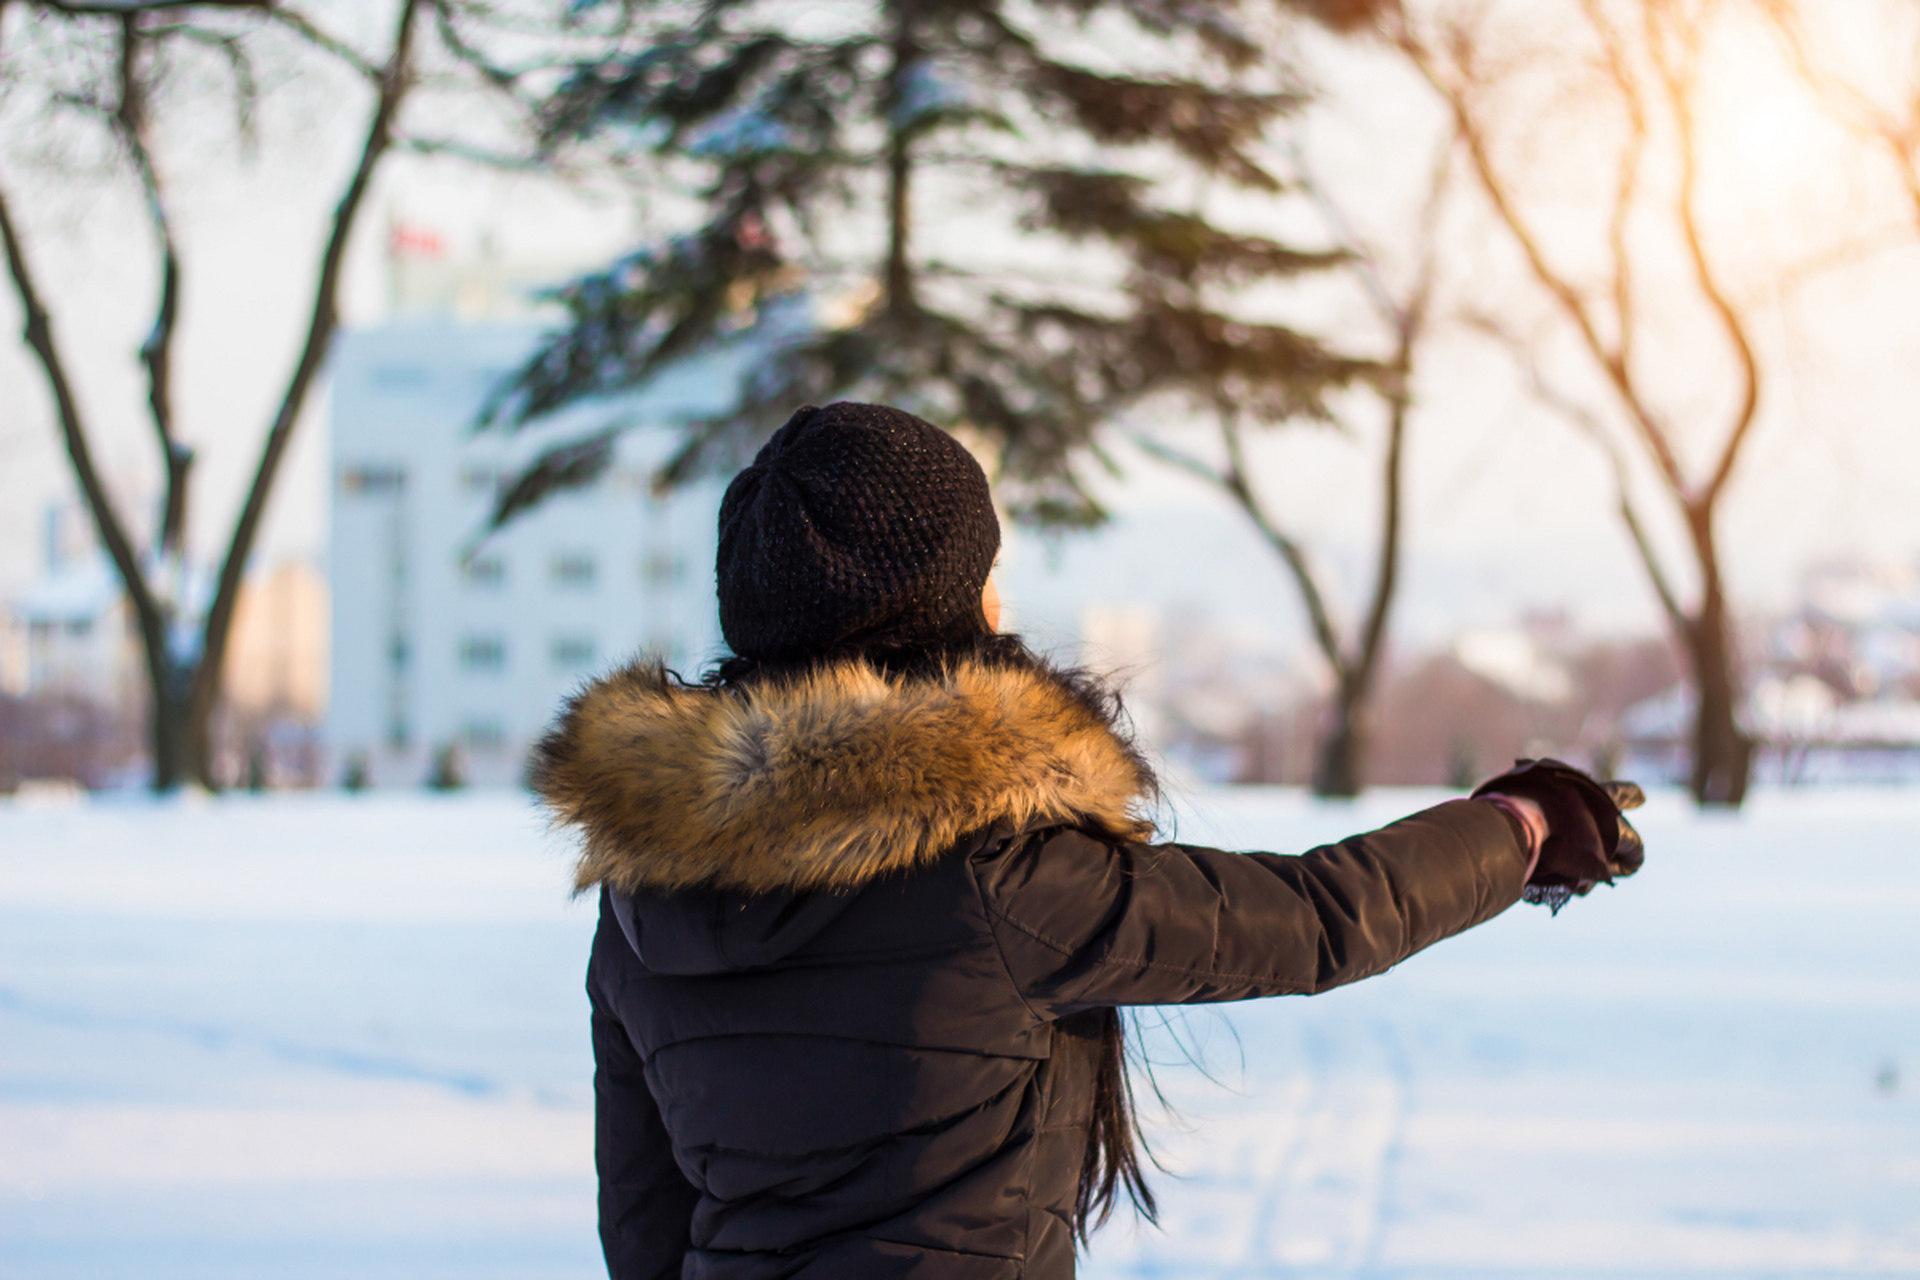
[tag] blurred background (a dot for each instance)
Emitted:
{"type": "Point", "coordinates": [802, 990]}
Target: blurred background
{"type": "Point", "coordinates": [1379, 390]}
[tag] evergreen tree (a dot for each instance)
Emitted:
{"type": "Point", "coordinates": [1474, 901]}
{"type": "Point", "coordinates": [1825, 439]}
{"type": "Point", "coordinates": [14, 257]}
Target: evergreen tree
{"type": "Point", "coordinates": [1013, 219]}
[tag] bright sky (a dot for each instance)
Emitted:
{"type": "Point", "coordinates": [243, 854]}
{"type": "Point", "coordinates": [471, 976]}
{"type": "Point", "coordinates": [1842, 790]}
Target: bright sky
{"type": "Point", "coordinates": [1501, 493]}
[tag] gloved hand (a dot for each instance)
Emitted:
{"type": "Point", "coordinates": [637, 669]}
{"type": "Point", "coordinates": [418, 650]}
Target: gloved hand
{"type": "Point", "coordinates": [1588, 840]}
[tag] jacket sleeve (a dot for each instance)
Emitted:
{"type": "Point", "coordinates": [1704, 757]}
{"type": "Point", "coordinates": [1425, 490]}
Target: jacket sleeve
{"type": "Point", "coordinates": [1084, 921]}
{"type": "Point", "coordinates": [646, 1203]}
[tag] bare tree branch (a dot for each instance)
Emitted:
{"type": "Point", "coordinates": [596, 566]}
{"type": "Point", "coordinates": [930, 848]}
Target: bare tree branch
{"type": "Point", "coordinates": [1845, 253]}
{"type": "Point", "coordinates": [1409, 321]}
{"type": "Point", "coordinates": [1608, 357]}
{"type": "Point", "coordinates": [395, 81]}
{"type": "Point", "coordinates": [1675, 38]}
{"type": "Point", "coordinates": [1240, 486]}
{"type": "Point", "coordinates": [246, 87]}
{"type": "Point", "coordinates": [272, 10]}
{"type": "Point", "coordinates": [456, 149]}
{"type": "Point", "coordinates": [1176, 457]}
{"type": "Point", "coordinates": [1406, 321]}
{"type": "Point", "coordinates": [1679, 85]}
{"type": "Point", "coordinates": [449, 32]}
{"type": "Point", "coordinates": [84, 103]}
{"type": "Point", "coordinates": [1365, 262]}
{"type": "Point", "coordinates": [113, 533]}
{"type": "Point", "coordinates": [1855, 109]}
{"type": "Point", "coordinates": [114, 9]}
{"type": "Point", "coordinates": [1589, 425]}
{"type": "Point", "coordinates": [297, 22]}
{"type": "Point", "coordinates": [1619, 66]}
{"type": "Point", "coordinates": [1233, 482]}
{"type": "Point", "coordinates": [156, 352]}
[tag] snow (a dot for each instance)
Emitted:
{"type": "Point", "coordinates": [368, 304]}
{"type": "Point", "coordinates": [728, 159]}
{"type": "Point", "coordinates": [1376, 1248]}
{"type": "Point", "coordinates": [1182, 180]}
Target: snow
{"type": "Point", "coordinates": [326, 1035]}
{"type": "Point", "coordinates": [80, 591]}
{"type": "Point", "coordinates": [744, 131]}
{"type": "Point", "coordinates": [1512, 660]}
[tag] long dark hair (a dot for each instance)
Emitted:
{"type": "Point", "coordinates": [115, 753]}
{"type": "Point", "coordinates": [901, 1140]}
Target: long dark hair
{"type": "Point", "coordinates": [1096, 1038]}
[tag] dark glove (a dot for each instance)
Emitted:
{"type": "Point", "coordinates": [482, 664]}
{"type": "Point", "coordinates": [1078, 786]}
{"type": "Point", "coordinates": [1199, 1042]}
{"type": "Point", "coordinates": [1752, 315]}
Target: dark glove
{"type": "Point", "coordinates": [1588, 840]}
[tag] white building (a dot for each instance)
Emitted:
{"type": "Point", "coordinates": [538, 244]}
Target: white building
{"type": "Point", "coordinates": [442, 639]}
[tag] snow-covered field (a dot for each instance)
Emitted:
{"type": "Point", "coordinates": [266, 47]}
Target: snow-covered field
{"type": "Point", "coordinates": [336, 1036]}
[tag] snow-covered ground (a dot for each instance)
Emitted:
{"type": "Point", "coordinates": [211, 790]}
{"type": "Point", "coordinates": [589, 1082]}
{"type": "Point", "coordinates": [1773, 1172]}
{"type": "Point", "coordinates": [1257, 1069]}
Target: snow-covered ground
{"type": "Point", "coordinates": [345, 1036]}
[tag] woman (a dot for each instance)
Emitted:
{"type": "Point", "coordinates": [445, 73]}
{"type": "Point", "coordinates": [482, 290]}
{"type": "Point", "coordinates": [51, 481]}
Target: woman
{"type": "Point", "coordinates": [873, 896]}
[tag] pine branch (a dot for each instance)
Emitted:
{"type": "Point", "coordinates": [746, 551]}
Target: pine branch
{"type": "Point", "coordinates": [1213, 25]}
{"type": "Point", "coordinates": [1179, 246]}
{"type": "Point", "coordinates": [1211, 127]}
{"type": "Point", "coordinates": [752, 115]}
{"type": "Point", "coordinates": [649, 310]}
{"type": "Point", "coordinates": [572, 465]}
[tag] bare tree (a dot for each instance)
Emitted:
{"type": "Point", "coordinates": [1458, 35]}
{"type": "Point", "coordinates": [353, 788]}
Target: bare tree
{"type": "Point", "coordinates": [107, 61]}
{"type": "Point", "coordinates": [1639, 63]}
{"type": "Point", "coordinates": [1403, 313]}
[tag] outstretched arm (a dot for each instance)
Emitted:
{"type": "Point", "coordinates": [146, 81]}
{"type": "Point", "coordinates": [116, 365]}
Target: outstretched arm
{"type": "Point", "coordinates": [1084, 921]}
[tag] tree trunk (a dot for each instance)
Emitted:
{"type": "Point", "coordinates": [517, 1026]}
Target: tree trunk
{"type": "Point", "coordinates": [899, 269]}
{"type": "Point", "coordinates": [1722, 753]}
{"type": "Point", "coordinates": [197, 741]}
{"type": "Point", "coordinates": [1341, 769]}
{"type": "Point", "coordinates": [172, 755]}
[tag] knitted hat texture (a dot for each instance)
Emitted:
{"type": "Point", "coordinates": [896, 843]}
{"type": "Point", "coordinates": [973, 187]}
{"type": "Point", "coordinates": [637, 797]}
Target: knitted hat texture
{"type": "Point", "coordinates": [853, 520]}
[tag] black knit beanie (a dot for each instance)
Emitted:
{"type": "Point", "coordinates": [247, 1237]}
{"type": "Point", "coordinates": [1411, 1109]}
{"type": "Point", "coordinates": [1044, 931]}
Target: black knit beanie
{"type": "Point", "coordinates": [854, 520]}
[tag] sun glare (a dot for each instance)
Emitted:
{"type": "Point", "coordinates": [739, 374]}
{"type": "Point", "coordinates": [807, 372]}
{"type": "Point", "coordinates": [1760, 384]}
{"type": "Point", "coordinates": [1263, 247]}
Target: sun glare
{"type": "Point", "coordinates": [1766, 148]}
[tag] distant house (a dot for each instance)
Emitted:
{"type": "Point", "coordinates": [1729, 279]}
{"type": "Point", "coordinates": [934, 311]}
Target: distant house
{"type": "Point", "coordinates": [71, 634]}
{"type": "Point", "coordinates": [1835, 691]}
{"type": "Point", "coordinates": [444, 638]}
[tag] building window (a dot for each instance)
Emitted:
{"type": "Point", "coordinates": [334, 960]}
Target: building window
{"type": "Point", "coordinates": [79, 628]}
{"type": "Point", "coordinates": [372, 480]}
{"type": "Point", "coordinates": [570, 653]}
{"type": "Point", "coordinates": [660, 568]}
{"type": "Point", "coordinates": [483, 735]}
{"type": "Point", "coordinates": [479, 480]}
{"type": "Point", "coordinates": [573, 570]}
{"type": "Point", "coordinates": [483, 653]}
{"type": "Point", "coordinates": [484, 571]}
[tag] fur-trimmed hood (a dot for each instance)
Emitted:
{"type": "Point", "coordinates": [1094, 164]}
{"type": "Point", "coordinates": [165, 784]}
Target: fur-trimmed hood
{"type": "Point", "coordinates": [826, 781]}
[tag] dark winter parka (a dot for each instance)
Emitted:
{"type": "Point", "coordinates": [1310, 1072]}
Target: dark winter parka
{"type": "Point", "coordinates": [847, 923]}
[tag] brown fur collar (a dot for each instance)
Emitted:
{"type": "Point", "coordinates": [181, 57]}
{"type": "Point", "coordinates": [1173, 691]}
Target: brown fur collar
{"type": "Point", "coordinates": [824, 782]}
